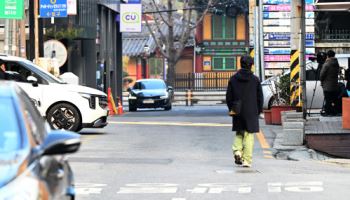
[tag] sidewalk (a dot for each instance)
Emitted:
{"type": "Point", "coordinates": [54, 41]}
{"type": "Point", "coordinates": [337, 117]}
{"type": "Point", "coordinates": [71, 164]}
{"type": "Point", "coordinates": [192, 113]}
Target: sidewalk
{"type": "Point", "coordinates": [300, 153]}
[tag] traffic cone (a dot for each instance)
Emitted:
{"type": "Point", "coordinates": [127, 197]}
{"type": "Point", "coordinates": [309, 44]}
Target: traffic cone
{"type": "Point", "coordinates": [120, 107]}
{"type": "Point", "coordinates": [111, 104]}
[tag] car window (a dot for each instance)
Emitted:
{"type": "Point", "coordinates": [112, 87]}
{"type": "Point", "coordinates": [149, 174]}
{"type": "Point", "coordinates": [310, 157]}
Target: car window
{"type": "Point", "coordinates": [47, 76]}
{"type": "Point", "coordinates": [19, 73]}
{"type": "Point", "coordinates": [149, 85]}
{"type": "Point", "coordinates": [10, 136]}
{"type": "Point", "coordinates": [36, 124]}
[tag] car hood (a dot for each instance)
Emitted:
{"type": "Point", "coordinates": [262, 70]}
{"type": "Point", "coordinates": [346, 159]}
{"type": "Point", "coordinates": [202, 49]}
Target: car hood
{"type": "Point", "coordinates": [11, 165]}
{"type": "Point", "coordinates": [149, 93]}
{"type": "Point", "coordinates": [81, 89]}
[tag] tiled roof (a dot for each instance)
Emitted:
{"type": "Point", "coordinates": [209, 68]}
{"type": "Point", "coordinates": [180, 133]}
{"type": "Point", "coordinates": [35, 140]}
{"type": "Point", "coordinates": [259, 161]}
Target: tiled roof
{"type": "Point", "coordinates": [133, 43]}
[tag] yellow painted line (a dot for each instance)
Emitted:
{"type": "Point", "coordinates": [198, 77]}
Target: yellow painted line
{"type": "Point", "coordinates": [262, 140]}
{"type": "Point", "coordinates": [173, 124]}
{"type": "Point", "coordinates": [269, 157]}
{"type": "Point", "coordinates": [267, 152]}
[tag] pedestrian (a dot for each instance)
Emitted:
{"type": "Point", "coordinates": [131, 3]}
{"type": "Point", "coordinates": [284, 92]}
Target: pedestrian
{"type": "Point", "coordinates": [329, 82]}
{"type": "Point", "coordinates": [244, 91]}
{"type": "Point", "coordinates": [2, 71]}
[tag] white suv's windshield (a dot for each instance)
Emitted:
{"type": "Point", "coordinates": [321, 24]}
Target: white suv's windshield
{"type": "Point", "coordinates": [45, 75]}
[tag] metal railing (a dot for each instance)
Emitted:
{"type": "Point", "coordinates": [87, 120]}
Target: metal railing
{"type": "Point", "coordinates": [207, 81]}
{"type": "Point", "coordinates": [335, 35]}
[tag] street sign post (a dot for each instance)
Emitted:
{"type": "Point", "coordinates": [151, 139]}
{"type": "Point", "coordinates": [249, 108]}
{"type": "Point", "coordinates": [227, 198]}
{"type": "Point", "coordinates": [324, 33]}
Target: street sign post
{"type": "Point", "coordinates": [53, 8]}
{"type": "Point", "coordinates": [11, 9]}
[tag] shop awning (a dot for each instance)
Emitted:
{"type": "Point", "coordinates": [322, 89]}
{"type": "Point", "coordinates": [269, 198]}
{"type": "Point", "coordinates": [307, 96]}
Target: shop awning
{"type": "Point", "coordinates": [330, 6]}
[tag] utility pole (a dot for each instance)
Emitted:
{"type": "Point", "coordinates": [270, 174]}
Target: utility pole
{"type": "Point", "coordinates": [7, 36]}
{"type": "Point", "coordinates": [297, 60]}
{"type": "Point", "coordinates": [22, 44]}
{"type": "Point", "coordinates": [261, 41]}
{"type": "Point", "coordinates": [36, 31]}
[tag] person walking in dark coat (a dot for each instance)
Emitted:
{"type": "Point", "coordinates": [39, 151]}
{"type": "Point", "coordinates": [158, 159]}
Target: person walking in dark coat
{"type": "Point", "coordinates": [329, 81]}
{"type": "Point", "coordinates": [245, 87]}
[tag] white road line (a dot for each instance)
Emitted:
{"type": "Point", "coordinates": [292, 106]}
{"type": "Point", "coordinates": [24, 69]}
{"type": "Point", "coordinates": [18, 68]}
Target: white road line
{"type": "Point", "coordinates": [89, 188]}
{"type": "Point", "coordinates": [148, 188]}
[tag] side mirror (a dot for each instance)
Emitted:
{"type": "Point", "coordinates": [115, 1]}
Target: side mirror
{"type": "Point", "coordinates": [33, 80]}
{"type": "Point", "coordinates": [60, 142]}
{"type": "Point", "coordinates": [129, 89]}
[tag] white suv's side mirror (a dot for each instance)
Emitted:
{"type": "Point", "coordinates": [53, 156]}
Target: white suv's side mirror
{"type": "Point", "coordinates": [33, 80]}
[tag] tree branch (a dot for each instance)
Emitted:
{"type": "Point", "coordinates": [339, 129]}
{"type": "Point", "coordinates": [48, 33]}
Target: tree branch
{"type": "Point", "coordinates": [158, 11]}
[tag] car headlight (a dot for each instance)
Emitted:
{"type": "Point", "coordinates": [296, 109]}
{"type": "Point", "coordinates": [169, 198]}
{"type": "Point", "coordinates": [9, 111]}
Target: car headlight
{"type": "Point", "coordinates": [132, 96]}
{"type": "Point", "coordinates": [90, 98]}
{"type": "Point", "coordinates": [85, 95]}
{"type": "Point", "coordinates": [165, 96]}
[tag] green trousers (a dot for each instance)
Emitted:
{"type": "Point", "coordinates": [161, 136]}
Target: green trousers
{"type": "Point", "coordinates": [244, 142]}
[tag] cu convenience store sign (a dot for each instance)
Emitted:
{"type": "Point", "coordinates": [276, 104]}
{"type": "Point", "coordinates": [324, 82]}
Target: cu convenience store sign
{"type": "Point", "coordinates": [11, 9]}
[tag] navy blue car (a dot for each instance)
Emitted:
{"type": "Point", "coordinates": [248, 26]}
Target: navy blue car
{"type": "Point", "coordinates": [32, 161]}
{"type": "Point", "coordinates": [150, 93]}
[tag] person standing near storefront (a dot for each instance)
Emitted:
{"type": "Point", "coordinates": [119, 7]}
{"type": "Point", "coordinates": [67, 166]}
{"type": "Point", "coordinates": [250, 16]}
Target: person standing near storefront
{"type": "Point", "coordinates": [329, 81]}
{"type": "Point", "coordinates": [244, 99]}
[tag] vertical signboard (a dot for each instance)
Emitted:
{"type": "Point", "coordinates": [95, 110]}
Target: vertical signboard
{"type": "Point", "coordinates": [130, 17]}
{"type": "Point", "coordinates": [72, 7]}
{"type": "Point", "coordinates": [276, 26]}
{"type": "Point", "coordinates": [11, 9]}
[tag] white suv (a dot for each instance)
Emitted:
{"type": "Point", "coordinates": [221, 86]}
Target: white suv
{"type": "Point", "coordinates": [65, 106]}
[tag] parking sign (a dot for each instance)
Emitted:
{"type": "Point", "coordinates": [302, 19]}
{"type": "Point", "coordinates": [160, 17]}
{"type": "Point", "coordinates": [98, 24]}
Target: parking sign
{"type": "Point", "coordinates": [53, 8]}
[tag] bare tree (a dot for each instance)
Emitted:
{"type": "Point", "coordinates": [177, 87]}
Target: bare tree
{"type": "Point", "coordinates": [171, 30]}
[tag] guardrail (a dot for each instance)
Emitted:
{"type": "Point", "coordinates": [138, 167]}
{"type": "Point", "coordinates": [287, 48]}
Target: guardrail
{"type": "Point", "coordinates": [335, 35]}
{"type": "Point", "coordinates": [207, 81]}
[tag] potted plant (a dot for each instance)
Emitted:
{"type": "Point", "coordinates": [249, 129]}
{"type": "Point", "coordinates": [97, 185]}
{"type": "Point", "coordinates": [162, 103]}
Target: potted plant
{"type": "Point", "coordinates": [280, 88]}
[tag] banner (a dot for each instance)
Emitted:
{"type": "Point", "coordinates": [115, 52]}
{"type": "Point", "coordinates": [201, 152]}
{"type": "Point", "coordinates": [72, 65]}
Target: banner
{"type": "Point", "coordinates": [285, 15]}
{"type": "Point", "coordinates": [285, 29]}
{"type": "Point", "coordinates": [285, 22]}
{"type": "Point", "coordinates": [284, 8]}
{"type": "Point", "coordinates": [285, 51]}
{"type": "Point", "coordinates": [285, 36]}
{"type": "Point", "coordinates": [130, 17]}
{"type": "Point", "coordinates": [11, 9]}
{"type": "Point", "coordinates": [284, 1]}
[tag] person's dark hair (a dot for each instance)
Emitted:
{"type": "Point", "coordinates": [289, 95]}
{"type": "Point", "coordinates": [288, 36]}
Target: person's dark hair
{"type": "Point", "coordinates": [330, 53]}
{"type": "Point", "coordinates": [246, 62]}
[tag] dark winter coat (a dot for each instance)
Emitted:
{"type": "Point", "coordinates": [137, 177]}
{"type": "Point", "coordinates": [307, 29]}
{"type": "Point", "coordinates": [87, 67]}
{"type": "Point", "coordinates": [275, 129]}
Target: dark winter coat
{"type": "Point", "coordinates": [246, 87]}
{"type": "Point", "coordinates": [329, 75]}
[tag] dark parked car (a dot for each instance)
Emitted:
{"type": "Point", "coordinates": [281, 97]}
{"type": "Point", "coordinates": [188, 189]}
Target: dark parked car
{"type": "Point", "coordinates": [150, 93]}
{"type": "Point", "coordinates": [32, 161]}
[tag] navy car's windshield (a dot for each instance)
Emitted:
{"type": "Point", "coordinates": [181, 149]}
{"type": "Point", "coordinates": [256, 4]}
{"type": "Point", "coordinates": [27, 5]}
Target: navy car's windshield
{"type": "Point", "coordinates": [45, 75]}
{"type": "Point", "coordinates": [10, 139]}
{"type": "Point", "coordinates": [149, 85]}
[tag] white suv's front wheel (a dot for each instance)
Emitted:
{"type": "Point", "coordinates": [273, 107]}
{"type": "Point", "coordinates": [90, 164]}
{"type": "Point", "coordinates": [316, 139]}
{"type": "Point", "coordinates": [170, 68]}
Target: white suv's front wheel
{"type": "Point", "coordinates": [64, 116]}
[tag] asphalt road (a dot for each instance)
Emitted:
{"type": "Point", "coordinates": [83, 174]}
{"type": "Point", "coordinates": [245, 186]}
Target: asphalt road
{"type": "Point", "coordinates": [185, 154]}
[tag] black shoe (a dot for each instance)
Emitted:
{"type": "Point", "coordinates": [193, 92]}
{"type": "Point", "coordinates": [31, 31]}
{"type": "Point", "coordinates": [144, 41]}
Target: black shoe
{"type": "Point", "coordinates": [238, 158]}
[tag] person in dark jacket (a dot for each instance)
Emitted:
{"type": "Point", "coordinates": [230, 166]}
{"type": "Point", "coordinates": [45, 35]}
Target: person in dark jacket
{"type": "Point", "coordinates": [329, 81]}
{"type": "Point", "coordinates": [2, 71]}
{"type": "Point", "coordinates": [246, 87]}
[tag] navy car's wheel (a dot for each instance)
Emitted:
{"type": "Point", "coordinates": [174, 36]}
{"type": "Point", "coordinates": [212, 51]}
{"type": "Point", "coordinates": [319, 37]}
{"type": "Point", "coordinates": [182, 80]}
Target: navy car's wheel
{"type": "Point", "coordinates": [64, 116]}
{"type": "Point", "coordinates": [132, 108]}
{"type": "Point", "coordinates": [168, 107]}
